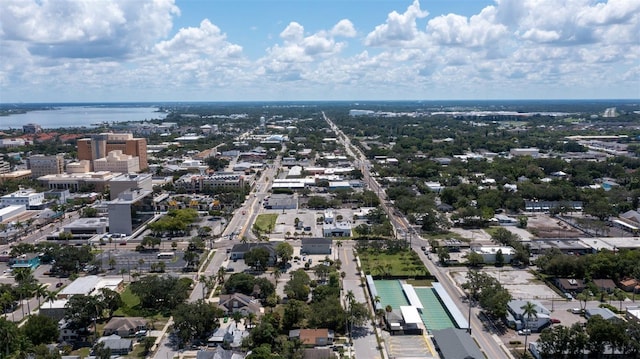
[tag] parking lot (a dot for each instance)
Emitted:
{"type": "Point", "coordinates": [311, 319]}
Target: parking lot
{"type": "Point", "coordinates": [139, 261]}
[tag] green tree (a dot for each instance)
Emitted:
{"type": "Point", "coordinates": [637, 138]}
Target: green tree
{"type": "Point", "coordinates": [257, 258]}
{"type": "Point", "coordinates": [443, 255]}
{"type": "Point", "coordinates": [499, 258]}
{"type": "Point", "coordinates": [284, 251]}
{"type": "Point", "coordinates": [40, 329]}
{"type": "Point", "coordinates": [161, 293]}
{"type": "Point", "coordinates": [195, 320]}
{"type": "Point", "coordinates": [298, 286]}
{"type": "Point", "coordinates": [9, 334]}
{"type": "Point", "coordinates": [475, 259]}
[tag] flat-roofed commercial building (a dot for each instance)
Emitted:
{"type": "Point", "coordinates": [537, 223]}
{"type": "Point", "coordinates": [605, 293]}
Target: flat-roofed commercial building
{"type": "Point", "coordinates": [24, 197]}
{"type": "Point", "coordinates": [98, 181]}
{"type": "Point", "coordinates": [130, 210]}
{"type": "Point", "coordinates": [126, 182]}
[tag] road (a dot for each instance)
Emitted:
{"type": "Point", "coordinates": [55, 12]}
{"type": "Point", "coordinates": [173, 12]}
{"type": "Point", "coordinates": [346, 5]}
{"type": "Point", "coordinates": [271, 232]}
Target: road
{"type": "Point", "coordinates": [239, 226]}
{"type": "Point", "coordinates": [364, 338]}
{"type": "Point", "coordinates": [490, 343]}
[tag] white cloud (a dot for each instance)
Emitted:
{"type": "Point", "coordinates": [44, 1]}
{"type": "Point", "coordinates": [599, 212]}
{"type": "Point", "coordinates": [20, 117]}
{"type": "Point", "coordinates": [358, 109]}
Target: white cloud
{"type": "Point", "coordinates": [204, 40]}
{"type": "Point", "coordinates": [399, 29]}
{"type": "Point", "coordinates": [511, 48]}
{"type": "Point", "coordinates": [478, 31]}
{"type": "Point", "coordinates": [85, 28]}
{"type": "Point", "coordinates": [344, 28]}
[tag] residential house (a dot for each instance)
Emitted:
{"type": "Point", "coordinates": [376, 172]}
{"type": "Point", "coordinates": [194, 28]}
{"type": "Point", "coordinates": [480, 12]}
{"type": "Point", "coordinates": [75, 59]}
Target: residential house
{"type": "Point", "coordinates": [313, 337]}
{"type": "Point", "coordinates": [570, 285]}
{"type": "Point", "coordinates": [125, 326]}
{"type": "Point", "coordinates": [630, 285]}
{"type": "Point", "coordinates": [517, 318]}
{"type": "Point", "coordinates": [238, 302]}
{"type": "Point", "coordinates": [605, 313]}
{"type": "Point", "coordinates": [316, 245]}
{"type": "Point", "coordinates": [605, 285]}
{"type": "Point", "coordinates": [117, 344]}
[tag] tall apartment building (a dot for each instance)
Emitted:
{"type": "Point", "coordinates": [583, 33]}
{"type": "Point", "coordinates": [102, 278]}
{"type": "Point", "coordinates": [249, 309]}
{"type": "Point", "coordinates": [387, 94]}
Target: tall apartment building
{"type": "Point", "coordinates": [5, 167]}
{"type": "Point", "coordinates": [99, 146]}
{"type": "Point", "coordinates": [41, 165]}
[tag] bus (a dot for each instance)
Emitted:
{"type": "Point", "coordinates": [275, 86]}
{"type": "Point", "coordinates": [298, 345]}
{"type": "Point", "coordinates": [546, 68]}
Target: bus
{"type": "Point", "coordinates": [166, 255]}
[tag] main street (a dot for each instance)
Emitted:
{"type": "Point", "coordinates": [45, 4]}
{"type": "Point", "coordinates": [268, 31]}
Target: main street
{"type": "Point", "coordinates": [239, 226]}
{"type": "Point", "coordinates": [490, 343]}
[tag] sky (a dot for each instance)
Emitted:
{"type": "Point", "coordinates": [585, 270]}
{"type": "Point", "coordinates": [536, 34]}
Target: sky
{"type": "Point", "coordinates": [304, 50]}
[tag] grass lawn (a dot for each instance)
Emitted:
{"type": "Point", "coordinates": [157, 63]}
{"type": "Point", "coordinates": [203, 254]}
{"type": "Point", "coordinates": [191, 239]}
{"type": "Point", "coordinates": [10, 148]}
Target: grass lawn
{"type": "Point", "coordinates": [129, 299]}
{"type": "Point", "coordinates": [82, 352]}
{"type": "Point", "coordinates": [401, 264]}
{"type": "Point", "coordinates": [266, 222]}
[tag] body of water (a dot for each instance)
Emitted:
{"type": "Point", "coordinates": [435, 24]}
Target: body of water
{"type": "Point", "coordinates": [80, 116]}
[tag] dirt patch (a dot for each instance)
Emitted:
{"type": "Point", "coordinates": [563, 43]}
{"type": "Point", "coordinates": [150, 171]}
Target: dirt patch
{"type": "Point", "coordinates": [543, 226]}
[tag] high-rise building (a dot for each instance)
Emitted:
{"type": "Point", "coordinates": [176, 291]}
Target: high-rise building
{"type": "Point", "coordinates": [99, 146]}
{"type": "Point", "coordinates": [5, 167]}
{"type": "Point", "coordinates": [41, 165]}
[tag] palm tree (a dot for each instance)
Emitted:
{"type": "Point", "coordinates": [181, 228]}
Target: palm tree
{"type": "Point", "coordinates": [276, 274]}
{"type": "Point", "coordinates": [50, 297]}
{"type": "Point", "coordinates": [122, 272]}
{"type": "Point", "coordinates": [620, 296]}
{"type": "Point", "coordinates": [339, 245]}
{"type": "Point", "coordinates": [376, 301]}
{"type": "Point", "coordinates": [529, 310]}
{"type": "Point", "coordinates": [112, 263]}
{"type": "Point", "coordinates": [6, 300]}
{"type": "Point", "coordinates": [388, 309]}
{"type": "Point", "coordinates": [220, 275]}
{"type": "Point", "coordinates": [250, 318]}
{"type": "Point", "coordinates": [40, 290]}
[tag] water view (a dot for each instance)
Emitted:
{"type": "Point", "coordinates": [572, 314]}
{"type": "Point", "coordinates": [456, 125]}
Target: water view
{"type": "Point", "coordinates": [80, 116]}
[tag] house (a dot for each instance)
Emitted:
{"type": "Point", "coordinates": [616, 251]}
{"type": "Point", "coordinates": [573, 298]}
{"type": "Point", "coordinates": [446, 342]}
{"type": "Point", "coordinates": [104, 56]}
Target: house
{"type": "Point", "coordinates": [230, 335]}
{"type": "Point", "coordinates": [118, 345]}
{"type": "Point", "coordinates": [605, 313]}
{"type": "Point", "coordinates": [605, 285]}
{"type": "Point", "coordinates": [66, 334]}
{"type": "Point", "coordinates": [125, 326]}
{"type": "Point", "coordinates": [570, 285]}
{"type": "Point", "coordinates": [316, 245]}
{"type": "Point", "coordinates": [518, 319]}
{"type": "Point", "coordinates": [454, 343]}
{"type": "Point", "coordinates": [238, 302]}
{"type": "Point", "coordinates": [629, 285]}
{"type": "Point", "coordinates": [313, 337]}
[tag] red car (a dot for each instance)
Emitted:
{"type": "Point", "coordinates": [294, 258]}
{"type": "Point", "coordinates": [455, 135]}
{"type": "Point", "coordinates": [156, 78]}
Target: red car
{"type": "Point", "coordinates": [555, 321]}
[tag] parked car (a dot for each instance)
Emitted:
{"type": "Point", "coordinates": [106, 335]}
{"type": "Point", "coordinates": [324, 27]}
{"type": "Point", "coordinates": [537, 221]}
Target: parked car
{"type": "Point", "coordinates": [555, 320]}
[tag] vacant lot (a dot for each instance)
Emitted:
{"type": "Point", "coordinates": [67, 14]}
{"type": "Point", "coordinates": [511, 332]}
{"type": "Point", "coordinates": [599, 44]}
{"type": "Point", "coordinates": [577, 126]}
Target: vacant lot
{"type": "Point", "coordinates": [543, 226]}
{"type": "Point", "coordinates": [266, 223]}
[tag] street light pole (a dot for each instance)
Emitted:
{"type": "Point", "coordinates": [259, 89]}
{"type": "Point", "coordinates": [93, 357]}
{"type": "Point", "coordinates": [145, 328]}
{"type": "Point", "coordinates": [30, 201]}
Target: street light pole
{"type": "Point", "coordinates": [469, 315]}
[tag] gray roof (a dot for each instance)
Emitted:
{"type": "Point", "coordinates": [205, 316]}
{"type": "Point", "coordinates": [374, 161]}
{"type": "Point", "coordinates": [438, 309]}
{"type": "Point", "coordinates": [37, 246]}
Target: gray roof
{"type": "Point", "coordinates": [316, 240]}
{"type": "Point", "coordinates": [456, 344]}
{"type": "Point", "coordinates": [115, 342]}
{"type": "Point", "coordinates": [605, 313]}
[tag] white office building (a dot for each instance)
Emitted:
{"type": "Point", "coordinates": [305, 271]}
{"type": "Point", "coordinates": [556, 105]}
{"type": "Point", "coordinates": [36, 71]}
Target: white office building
{"type": "Point", "coordinates": [25, 197]}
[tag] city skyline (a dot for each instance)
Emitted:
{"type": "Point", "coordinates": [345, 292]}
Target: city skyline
{"type": "Point", "coordinates": [79, 51]}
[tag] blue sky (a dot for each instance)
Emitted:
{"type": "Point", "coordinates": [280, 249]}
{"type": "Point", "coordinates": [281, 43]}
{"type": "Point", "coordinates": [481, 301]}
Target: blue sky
{"type": "Point", "coordinates": [237, 50]}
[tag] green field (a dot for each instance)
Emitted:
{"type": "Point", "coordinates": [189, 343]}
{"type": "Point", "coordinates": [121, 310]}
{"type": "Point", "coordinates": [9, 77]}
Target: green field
{"type": "Point", "coordinates": [387, 265]}
{"type": "Point", "coordinates": [265, 223]}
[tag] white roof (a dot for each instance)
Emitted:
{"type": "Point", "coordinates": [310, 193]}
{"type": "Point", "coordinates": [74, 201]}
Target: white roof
{"type": "Point", "coordinates": [410, 314]}
{"type": "Point", "coordinates": [412, 296]}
